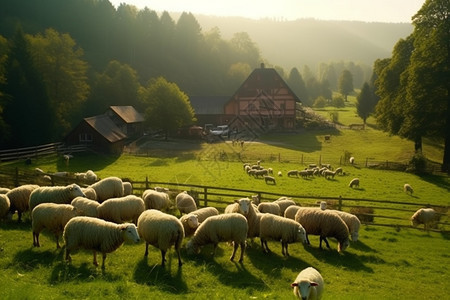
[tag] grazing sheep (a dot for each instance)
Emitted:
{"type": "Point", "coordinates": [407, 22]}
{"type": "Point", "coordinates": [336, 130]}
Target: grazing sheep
{"type": "Point", "coordinates": [161, 230]}
{"type": "Point", "coordinates": [86, 207]}
{"type": "Point", "coordinates": [185, 203]}
{"type": "Point", "coordinates": [222, 228]}
{"type": "Point", "coordinates": [90, 193]}
{"type": "Point", "coordinates": [325, 224]}
{"type": "Point", "coordinates": [127, 188]}
{"type": "Point", "coordinates": [280, 173]}
{"type": "Point", "coordinates": [53, 217]}
{"type": "Point", "coordinates": [246, 207]}
{"type": "Point", "coordinates": [426, 216]}
{"type": "Point", "coordinates": [97, 235]}
{"type": "Point", "coordinates": [280, 229]}
{"type": "Point", "coordinates": [121, 210]}
{"type": "Point", "coordinates": [193, 219]}
{"type": "Point", "coordinates": [54, 194]}
{"type": "Point", "coordinates": [261, 172]}
{"type": "Point", "coordinates": [268, 179]}
{"type": "Point", "coordinates": [88, 176]}
{"type": "Point", "coordinates": [339, 171]}
{"type": "Point", "coordinates": [283, 203]}
{"type": "Point", "coordinates": [408, 188]}
{"type": "Point", "coordinates": [352, 222]}
{"type": "Point", "coordinates": [291, 173]}
{"type": "Point", "coordinates": [352, 160]}
{"type": "Point", "coordinates": [269, 207]}
{"type": "Point", "coordinates": [304, 173]}
{"type": "Point", "coordinates": [308, 285]}
{"type": "Point", "coordinates": [19, 198]}
{"type": "Point", "coordinates": [354, 182]}
{"type": "Point", "coordinates": [291, 211]}
{"type": "Point", "coordinates": [328, 173]}
{"type": "Point", "coordinates": [5, 204]}
{"type": "Point", "coordinates": [109, 187]}
{"type": "Point", "coordinates": [156, 200]}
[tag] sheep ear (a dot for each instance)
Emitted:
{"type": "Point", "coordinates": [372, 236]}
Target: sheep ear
{"type": "Point", "coordinates": [294, 284]}
{"type": "Point", "coordinates": [314, 284]}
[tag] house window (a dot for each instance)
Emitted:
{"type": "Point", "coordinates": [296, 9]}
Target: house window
{"type": "Point", "coordinates": [85, 137]}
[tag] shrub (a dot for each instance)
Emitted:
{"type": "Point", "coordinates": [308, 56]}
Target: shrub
{"type": "Point", "coordinates": [338, 102]}
{"type": "Point", "coordinates": [334, 116]}
{"type": "Point", "coordinates": [320, 102]}
{"type": "Point", "coordinates": [417, 164]}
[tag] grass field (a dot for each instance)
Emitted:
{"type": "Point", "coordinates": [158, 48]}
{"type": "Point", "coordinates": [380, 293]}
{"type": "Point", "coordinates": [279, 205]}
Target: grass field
{"type": "Point", "coordinates": [386, 263]}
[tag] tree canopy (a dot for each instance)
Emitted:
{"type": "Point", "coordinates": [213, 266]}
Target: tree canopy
{"type": "Point", "coordinates": [346, 83]}
{"type": "Point", "coordinates": [364, 102]}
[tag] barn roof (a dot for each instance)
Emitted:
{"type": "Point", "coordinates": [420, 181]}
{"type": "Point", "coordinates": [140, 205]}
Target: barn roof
{"type": "Point", "coordinates": [105, 126]}
{"type": "Point", "coordinates": [128, 114]}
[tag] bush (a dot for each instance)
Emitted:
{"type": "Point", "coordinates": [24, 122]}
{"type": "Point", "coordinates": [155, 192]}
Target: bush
{"type": "Point", "coordinates": [338, 102]}
{"type": "Point", "coordinates": [364, 214]}
{"type": "Point", "coordinates": [418, 164]}
{"type": "Point", "coordinates": [334, 116]}
{"type": "Point", "coordinates": [320, 102]}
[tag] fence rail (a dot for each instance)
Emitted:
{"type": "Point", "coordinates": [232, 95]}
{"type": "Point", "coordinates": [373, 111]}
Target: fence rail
{"type": "Point", "coordinates": [39, 151]}
{"type": "Point", "coordinates": [374, 212]}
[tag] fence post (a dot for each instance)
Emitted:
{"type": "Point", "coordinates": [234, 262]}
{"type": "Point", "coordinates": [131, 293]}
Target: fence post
{"type": "Point", "coordinates": [147, 184]}
{"type": "Point", "coordinates": [367, 159]}
{"type": "Point", "coordinates": [279, 157]}
{"type": "Point", "coordinates": [340, 203]}
{"type": "Point", "coordinates": [205, 195]}
{"type": "Point", "coordinates": [302, 159]}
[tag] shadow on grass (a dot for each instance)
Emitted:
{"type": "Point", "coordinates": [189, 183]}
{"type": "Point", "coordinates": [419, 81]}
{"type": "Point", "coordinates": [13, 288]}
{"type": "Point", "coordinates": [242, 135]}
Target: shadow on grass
{"type": "Point", "coordinates": [440, 181]}
{"type": "Point", "coordinates": [24, 225]}
{"type": "Point", "coordinates": [86, 272]}
{"type": "Point", "coordinates": [33, 258]}
{"type": "Point", "coordinates": [362, 247]}
{"type": "Point", "coordinates": [86, 161]}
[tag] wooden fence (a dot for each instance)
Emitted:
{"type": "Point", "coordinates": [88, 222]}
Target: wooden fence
{"type": "Point", "coordinates": [373, 212]}
{"type": "Point", "coordinates": [35, 152]}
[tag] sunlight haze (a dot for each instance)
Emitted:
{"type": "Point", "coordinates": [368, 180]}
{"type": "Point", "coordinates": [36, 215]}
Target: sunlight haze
{"type": "Point", "coordinates": [394, 11]}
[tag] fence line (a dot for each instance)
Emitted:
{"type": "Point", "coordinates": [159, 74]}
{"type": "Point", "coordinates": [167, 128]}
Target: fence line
{"type": "Point", "coordinates": [39, 151]}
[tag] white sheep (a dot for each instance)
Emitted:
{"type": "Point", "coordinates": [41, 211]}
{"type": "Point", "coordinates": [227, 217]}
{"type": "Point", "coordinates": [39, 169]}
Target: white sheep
{"type": "Point", "coordinates": [246, 207]}
{"type": "Point", "coordinates": [269, 207]}
{"type": "Point", "coordinates": [161, 189]}
{"type": "Point", "coordinates": [352, 160]}
{"type": "Point", "coordinates": [408, 188]}
{"type": "Point", "coordinates": [161, 230]}
{"type": "Point", "coordinates": [426, 216]}
{"type": "Point", "coordinates": [325, 224]}
{"type": "Point", "coordinates": [120, 210]}
{"type": "Point", "coordinates": [352, 222]}
{"type": "Point", "coordinates": [54, 194]}
{"type": "Point", "coordinates": [156, 200]}
{"type": "Point", "coordinates": [329, 173]}
{"type": "Point", "coordinates": [86, 207]}
{"type": "Point", "coordinates": [4, 206]}
{"type": "Point", "coordinates": [279, 228]}
{"type": "Point", "coordinates": [280, 173]}
{"type": "Point", "coordinates": [354, 182]}
{"type": "Point", "coordinates": [283, 203]}
{"type": "Point", "coordinates": [88, 176]}
{"type": "Point", "coordinates": [185, 203]}
{"type": "Point", "coordinates": [193, 219]}
{"type": "Point", "coordinates": [19, 199]}
{"type": "Point", "coordinates": [292, 173]}
{"type": "Point", "coordinates": [4, 190]}
{"type": "Point", "coordinates": [109, 187]}
{"type": "Point", "coordinates": [339, 171]}
{"type": "Point", "coordinates": [127, 188]}
{"type": "Point", "coordinates": [89, 193]}
{"type": "Point", "coordinates": [52, 217]}
{"type": "Point", "coordinates": [97, 235]}
{"type": "Point", "coordinates": [308, 285]}
{"type": "Point", "coordinates": [270, 179]}
{"type": "Point", "coordinates": [291, 211]}
{"type": "Point", "coordinates": [222, 228]}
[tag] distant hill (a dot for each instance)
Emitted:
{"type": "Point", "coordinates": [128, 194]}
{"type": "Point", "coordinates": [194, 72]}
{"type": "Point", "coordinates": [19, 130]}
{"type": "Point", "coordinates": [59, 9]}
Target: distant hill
{"type": "Point", "coordinates": [309, 42]}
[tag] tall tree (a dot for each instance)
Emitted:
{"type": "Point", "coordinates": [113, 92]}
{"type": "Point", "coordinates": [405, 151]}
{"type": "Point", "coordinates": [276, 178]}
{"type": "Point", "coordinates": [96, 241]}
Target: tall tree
{"type": "Point", "coordinates": [364, 103]}
{"type": "Point", "coordinates": [166, 107]}
{"type": "Point", "coordinates": [346, 83]}
{"type": "Point", "coordinates": [296, 83]}
{"type": "Point", "coordinates": [245, 49]}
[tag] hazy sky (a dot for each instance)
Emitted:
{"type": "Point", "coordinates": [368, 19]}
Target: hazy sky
{"type": "Point", "coordinates": [359, 10]}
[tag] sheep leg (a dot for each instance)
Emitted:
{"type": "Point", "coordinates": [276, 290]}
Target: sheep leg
{"type": "Point", "coordinates": [235, 246]}
{"type": "Point", "coordinates": [214, 249]}
{"type": "Point", "coordinates": [57, 242]}
{"type": "Point", "coordinates": [36, 239]}
{"type": "Point", "coordinates": [103, 260]}
{"type": "Point", "coordinates": [68, 258]}
{"type": "Point", "coordinates": [307, 239]}
{"type": "Point", "coordinates": [95, 259]}
{"type": "Point", "coordinates": [163, 257]}
{"type": "Point", "coordinates": [284, 246]}
{"type": "Point", "coordinates": [180, 263]}
{"type": "Point", "coordinates": [146, 250]}
{"type": "Point", "coordinates": [243, 246]}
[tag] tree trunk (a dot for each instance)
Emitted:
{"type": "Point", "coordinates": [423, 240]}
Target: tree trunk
{"type": "Point", "coordinates": [446, 159]}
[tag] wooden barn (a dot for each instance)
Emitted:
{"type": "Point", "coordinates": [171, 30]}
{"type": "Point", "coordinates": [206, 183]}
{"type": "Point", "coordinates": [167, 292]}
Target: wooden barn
{"type": "Point", "coordinates": [128, 119]}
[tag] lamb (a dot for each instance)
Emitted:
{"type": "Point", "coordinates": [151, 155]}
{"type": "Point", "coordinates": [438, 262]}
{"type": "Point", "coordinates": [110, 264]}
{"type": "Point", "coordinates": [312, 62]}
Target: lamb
{"type": "Point", "coordinates": [4, 206]}
{"type": "Point", "coordinates": [280, 229]}
{"type": "Point", "coordinates": [55, 194]}
{"type": "Point", "coordinates": [109, 187]}
{"type": "Point", "coordinates": [86, 207]}
{"type": "Point", "coordinates": [325, 224]}
{"type": "Point", "coordinates": [19, 199]}
{"type": "Point", "coordinates": [97, 235]}
{"type": "Point", "coordinates": [308, 285]}
{"type": "Point", "coordinates": [246, 207]}
{"type": "Point", "coordinates": [185, 203]}
{"type": "Point", "coordinates": [156, 200]}
{"type": "Point", "coordinates": [291, 211]}
{"type": "Point", "coordinates": [127, 188]}
{"type": "Point", "coordinates": [193, 219]}
{"type": "Point", "coordinates": [162, 231]}
{"type": "Point", "coordinates": [354, 182]}
{"type": "Point", "coordinates": [283, 203]}
{"type": "Point", "coordinates": [222, 228]}
{"type": "Point", "coordinates": [90, 193]}
{"type": "Point", "coordinates": [408, 188]}
{"type": "Point", "coordinates": [53, 217]}
{"type": "Point", "coordinates": [269, 207]}
{"type": "Point", "coordinates": [120, 210]}
{"type": "Point", "coordinates": [271, 179]}
{"type": "Point", "coordinates": [426, 216]}
{"type": "Point", "coordinates": [352, 222]}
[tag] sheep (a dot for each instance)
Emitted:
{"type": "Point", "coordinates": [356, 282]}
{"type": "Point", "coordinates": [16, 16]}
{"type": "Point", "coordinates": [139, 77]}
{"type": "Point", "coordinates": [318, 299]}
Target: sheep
{"type": "Point", "coordinates": [269, 207]}
{"type": "Point", "coordinates": [109, 187]}
{"type": "Point", "coordinates": [291, 211]}
{"type": "Point", "coordinates": [162, 231]}
{"type": "Point", "coordinates": [304, 173]}
{"type": "Point", "coordinates": [4, 206]}
{"type": "Point", "coordinates": [328, 173]}
{"type": "Point", "coordinates": [426, 216]}
{"type": "Point", "coordinates": [292, 173]}
{"type": "Point", "coordinates": [89, 193]}
{"type": "Point", "coordinates": [261, 172]}
{"type": "Point", "coordinates": [308, 285]}
{"type": "Point", "coordinates": [270, 170]}
{"type": "Point", "coordinates": [352, 160]}
{"type": "Point", "coordinates": [86, 207]}
{"type": "Point", "coordinates": [4, 190]}
{"type": "Point", "coordinates": [408, 188]}
{"type": "Point", "coordinates": [352, 222]}
{"type": "Point", "coordinates": [156, 200]}
{"type": "Point", "coordinates": [222, 228]}
{"type": "Point", "coordinates": [161, 189]}
{"type": "Point", "coordinates": [97, 235]}
{"type": "Point", "coordinates": [271, 179]}
{"type": "Point", "coordinates": [53, 217]}
{"type": "Point", "coordinates": [325, 224]}
{"type": "Point", "coordinates": [246, 207]}
{"type": "Point", "coordinates": [88, 176]}
{"type": "Point", "coordinates": [281, 229]}
{"type": "Point", "coordinates": [19, 199]}
{"type": "Point", "coordinates": [339, 171]}
{"type": "Point", "coordinates": [354, 182]}
{"type": "Point", "coordinates": [120, 210]}
{"type": "Point", "coordinates": [193, 219]}
{"type": "Point", "coordinates": [127, 188]}
{"type": "Point", "coordinates": [54, 194]}
{"type": "Point", "coordinates": [283, 203]}
{"type": "Point", "coordinates": [280, 173]}
{"type": "Point", "coordinates": [185, 203]}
